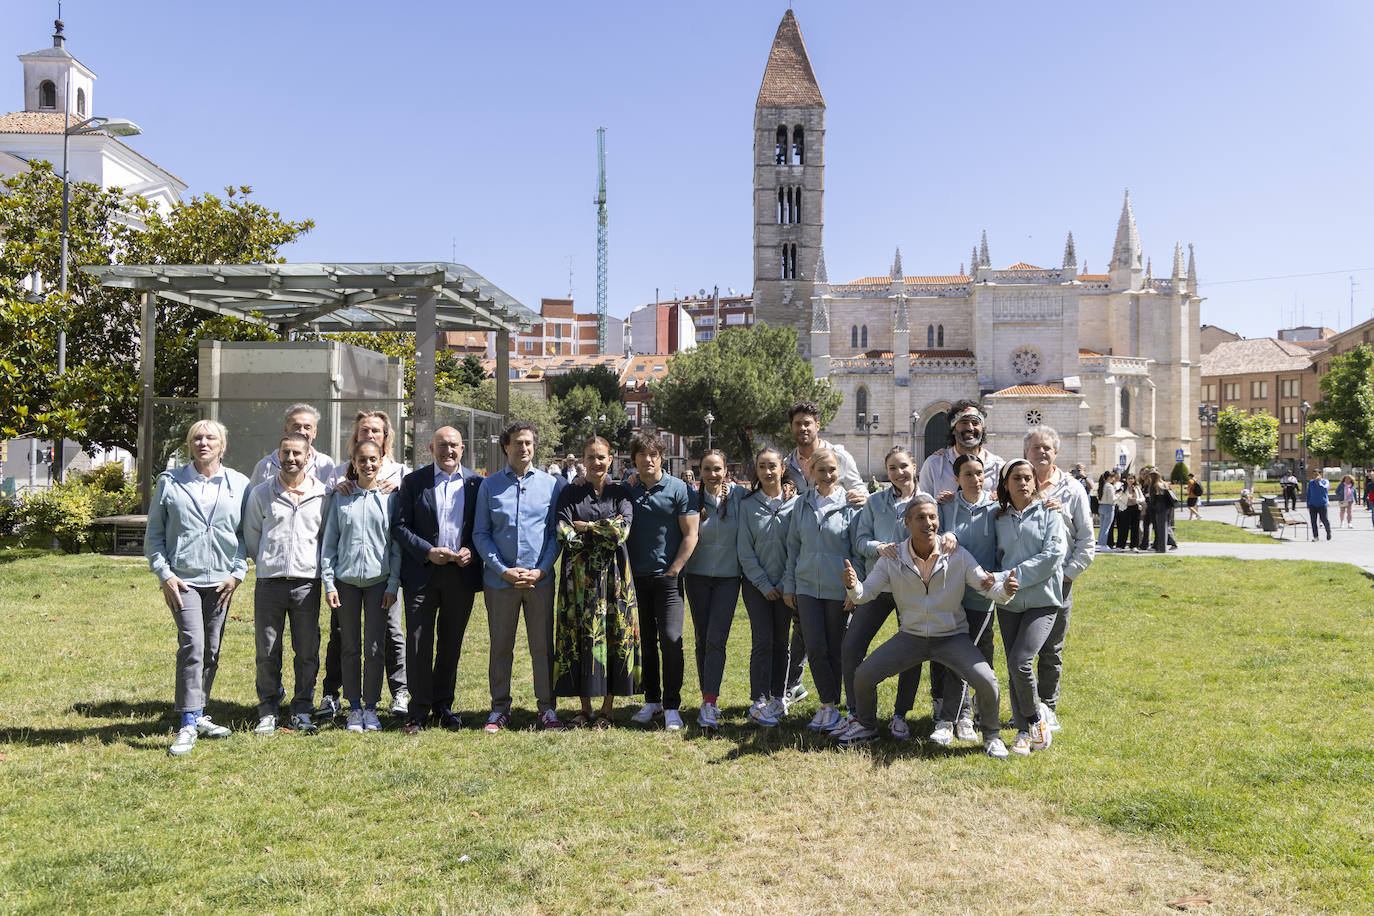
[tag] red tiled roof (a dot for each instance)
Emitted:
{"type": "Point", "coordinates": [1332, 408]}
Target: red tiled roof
{"type": "Point", "coordinates": [884, 281]}
{"type": "Point", "coordinates": [1085, 352]}
{"type": "Point", "coordinates": [1022, 265]}
{"type": "Point", "coordinates": [919, 354]}
{"type": "Point", "coordinates": [1093, 278]}
{"type": "Point", "coordinates": [788, 80]}
{"type": "Point", "coordinates": [1255, 354]}
{"type": "Point", "coordinates": [32, 122]}
{"type": "Point", "coordinates": [1033, 389]}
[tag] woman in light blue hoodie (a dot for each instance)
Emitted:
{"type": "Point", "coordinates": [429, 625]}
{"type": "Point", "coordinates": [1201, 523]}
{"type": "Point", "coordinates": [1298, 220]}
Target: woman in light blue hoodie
{"type": "Point", "coordinates": [764, 517]}
{"type": "Point", "coordinates": [712, 578]}
{"type": "Point", "coordinates": [195, 547]}
{"type": "Point", "coordinates": [360, 565]}
{"type": "Point", "coordinates": [1030, 540]}
{"type": "Point", "coordinates": [820, 538]}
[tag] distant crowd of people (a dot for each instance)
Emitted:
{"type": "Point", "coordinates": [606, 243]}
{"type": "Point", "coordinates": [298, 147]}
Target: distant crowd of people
{"type": "Point", "coordinates": [604, 573]}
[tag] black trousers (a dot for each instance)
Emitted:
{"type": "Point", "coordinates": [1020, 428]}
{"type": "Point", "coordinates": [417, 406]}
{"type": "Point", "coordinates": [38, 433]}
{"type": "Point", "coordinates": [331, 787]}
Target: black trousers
{"type": "Point", "coordinates": [436, 619]}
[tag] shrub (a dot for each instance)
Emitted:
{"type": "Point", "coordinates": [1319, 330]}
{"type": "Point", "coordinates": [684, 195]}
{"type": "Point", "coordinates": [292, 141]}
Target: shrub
{"type": "Point", "coordinates": [63, 513]}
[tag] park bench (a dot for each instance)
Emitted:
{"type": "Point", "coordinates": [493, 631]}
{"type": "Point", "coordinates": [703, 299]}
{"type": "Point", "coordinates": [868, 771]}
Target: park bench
{"type": "Point", "coordinates": [1245, 509]}
{"type": "Point", "coordinates": [128, 531]}
{"type": "Point", "coordinates": [1281, 521]}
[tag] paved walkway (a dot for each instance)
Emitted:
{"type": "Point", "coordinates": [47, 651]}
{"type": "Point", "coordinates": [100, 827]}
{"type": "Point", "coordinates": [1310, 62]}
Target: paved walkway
{"type": "Point", "coordinates": [1354, 546]}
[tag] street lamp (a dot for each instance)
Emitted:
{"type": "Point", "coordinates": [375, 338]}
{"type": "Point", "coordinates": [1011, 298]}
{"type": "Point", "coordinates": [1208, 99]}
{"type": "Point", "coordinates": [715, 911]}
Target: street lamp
{"type": "Point", "coordinates": [709, 418]}
{"type": "Point", "coordinates": [600, 421]}
{"type": "Point", "coordinates": [868, 422]}
{"type": "Point", "coordinates": [1304, 407]}
{"type": "Point", "coordinates": [118, 127]}
{"type": "Point", "coordinates": [915, 419]}
{"type": "Point", "coordinates": [590, 422]}
{"type": "Point", "coordinates": [1207, 416]}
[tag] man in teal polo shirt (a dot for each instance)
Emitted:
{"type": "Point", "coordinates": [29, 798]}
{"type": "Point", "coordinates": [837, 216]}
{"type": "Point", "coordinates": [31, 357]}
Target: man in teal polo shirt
{"type": "Point", "coordinates": [663, 535]}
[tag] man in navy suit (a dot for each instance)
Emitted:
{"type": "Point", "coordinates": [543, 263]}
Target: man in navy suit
{"type": "Point", "coordinates": [441, 573]}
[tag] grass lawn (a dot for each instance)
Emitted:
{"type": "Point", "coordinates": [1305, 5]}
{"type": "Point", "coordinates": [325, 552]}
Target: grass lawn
{"type": "Point", "coordinates": [1219, 532]}
{"type": "Point", "coordinates": [1216, 741]}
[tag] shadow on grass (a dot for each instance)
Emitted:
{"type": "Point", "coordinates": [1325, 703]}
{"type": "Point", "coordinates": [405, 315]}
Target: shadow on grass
{"type": "Point", "coordinates": [10, 555]}
{"type": "Point", "coordinates": [110, 721]}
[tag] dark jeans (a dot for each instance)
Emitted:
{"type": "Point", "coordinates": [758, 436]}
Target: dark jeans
{"type": "Point", "coordinates": [712, 601]}
{"type": "Point", "coordinates": [769, 622]}
{"type": "Point", "coordinates": [824, 621]}
{"type": "Point", "coordinates": [436, 619]}
{"type": "Point", "coordinates": [660, 633]}
{"type": "Point", "coordinates": [1128, 527]}
{"type": "Point", "coordinates": [395, 644]}
{"type": "Point", "coordinates": [1319, 513]}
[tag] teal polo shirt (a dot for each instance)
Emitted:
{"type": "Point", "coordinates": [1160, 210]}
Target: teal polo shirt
{"type": "Point", "coordinates": [655, 534]}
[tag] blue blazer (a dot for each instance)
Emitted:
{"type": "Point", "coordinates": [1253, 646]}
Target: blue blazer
{"type": "Point", "coordinates": [415, 526]}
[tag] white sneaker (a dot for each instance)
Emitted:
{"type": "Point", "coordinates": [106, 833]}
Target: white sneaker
{"type": "Point", "coordinates": [207, 729]}
{"type": "Point", "coordinates": [825, 719]}
{"type": "Point", "coordinates": [400, 703]}
{"type": "Point", "coordinates": [897, 728]}
{"type": "Point", "coordinates": [856, 734]}
{"type": "Point", "coordinates": [839, 727]}
{"type": "Point", "coordinates": [943, 734]}
{"type": "Point", "coordinates": [1022, 744]}
{"type": "Point", "coordinates": [646, 713]}
{"type": "Point", "coordinates": [995, 748]}
{"type": "Point", "coordinates": [329, 707]}
{"type": "Point", "coordinates": [672, 720]}
{"type": "Point", "coordinates": [266, 725]}
{"type": "Point", "coordinates": [370, 721]}
{"type": "Point", "coordinates": [1040, 736]}
{"type": "Point", "coordinates": [184, 742]}
{"type": "Point", "coordinates": [301, 722]}
{"type": "Point", "coordinates": [777, 709]}
{"type": "Point", "coordinates": [760, 714]}
{"type": "Point", "coordinates": [355, 721]}
{"type": "Point", "coordinates": [1047, 715]}
{"type": "Point", "coordinates": [708, 716]}
{"type": "Point", "coordinates": [964, 731]}
{"type": "Point", "coordinates": [795, 694]}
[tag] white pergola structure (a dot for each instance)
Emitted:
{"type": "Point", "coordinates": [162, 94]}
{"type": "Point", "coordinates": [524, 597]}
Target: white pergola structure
{"type": "Point", "coordinates": [425, 298]}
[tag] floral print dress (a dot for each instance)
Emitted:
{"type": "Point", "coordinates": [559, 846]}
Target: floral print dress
{"type": "Point", "coordinates": [596, 624]}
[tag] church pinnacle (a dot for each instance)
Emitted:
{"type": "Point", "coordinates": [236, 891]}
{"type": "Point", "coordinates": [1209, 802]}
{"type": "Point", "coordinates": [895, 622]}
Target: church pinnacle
{"type": "Point", "coordinates": [788, 80]}
{"type": "Point", "coordinates": [1070, 256]}
{"type": "Point", "coordinates": [896, 273]}
{"type": "Point", "coordinates": [983, 259]}
{"type": "Point", "coordinates": [1126, 252]}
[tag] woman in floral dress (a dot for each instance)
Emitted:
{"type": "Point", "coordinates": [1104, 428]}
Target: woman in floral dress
{"type": "Point", "coordinates": [596, 630]}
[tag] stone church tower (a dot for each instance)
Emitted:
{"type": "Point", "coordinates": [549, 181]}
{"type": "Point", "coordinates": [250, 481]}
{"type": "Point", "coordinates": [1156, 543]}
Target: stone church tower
{"type": "Point", "coordinates": [789, 184]}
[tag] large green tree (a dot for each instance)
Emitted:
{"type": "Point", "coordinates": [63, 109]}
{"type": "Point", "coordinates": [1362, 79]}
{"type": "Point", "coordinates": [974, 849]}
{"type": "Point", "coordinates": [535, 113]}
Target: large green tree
{"type": "Point", "coordinates": [1348, 401]}
{"type": "Point", "coordinates": [543, 414]}
{"type": "Point", "coordinates": [96, 402]}
{"type": "Point", "coordinates": [747, 378]}
{"type": "Point", "coordinates": [603, 379]}
{"type": "Point", "coordinates": [1250, 438]}
{"type": "Point", "coordinates": [579, 414]}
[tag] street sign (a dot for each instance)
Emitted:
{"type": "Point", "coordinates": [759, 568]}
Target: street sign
{"type": "Point", "coordinates": [1121, 461]}
{"type": "Point", "coordinates": [1178, 454]}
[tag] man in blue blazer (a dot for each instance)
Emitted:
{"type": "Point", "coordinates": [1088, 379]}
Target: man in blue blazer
{"type": "Point", "coordinates": [441, 573]}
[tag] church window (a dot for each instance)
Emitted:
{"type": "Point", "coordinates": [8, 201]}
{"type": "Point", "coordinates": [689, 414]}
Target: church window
{"type": "Point", "coordinates": [940, 336]}
{"type": "Point", "coordinates": [1025, 362]}
{"type": "Point", "coordinates": [798, 146]}
{"type": "Point", "coordinates": [860, 406]}
{"type": "Point", "coordinates": [81, 103]}
{"type": "Point", "coordinates": [782, 210]}
{"type": "Point", "coordinates": [863, 337]}
{"type": "Point", "coordinates": [1033, 417]}
{"type": "Point", "coordinates": [789, 262]}
{"type": "Point", "coordinates": [47, 94]}
{"type": "Point", "coordinates": [1125, 409]}
{"type": "Point", "coordinates": [782, 157]}
{"type": "Point", "coordinates": [930, 335]}
{"type": "Point", "coordinates": [796, 209]}
{"type": "Point", "coordinates": [854, 336]}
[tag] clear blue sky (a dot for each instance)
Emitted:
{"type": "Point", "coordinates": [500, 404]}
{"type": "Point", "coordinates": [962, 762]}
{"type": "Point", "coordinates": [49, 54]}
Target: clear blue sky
{"type": "Point", "coordinates": [405, 130]}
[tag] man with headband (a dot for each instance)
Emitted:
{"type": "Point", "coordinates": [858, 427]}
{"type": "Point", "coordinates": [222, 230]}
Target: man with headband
{"type": "Point", "coordinates": [967, 432]}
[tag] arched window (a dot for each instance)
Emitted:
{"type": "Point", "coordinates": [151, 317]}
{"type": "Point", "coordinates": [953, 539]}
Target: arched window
{"type": "Point", "coordinates": [781, 210]}
{"type": "Point", "coordinates": [81, 103]}
{"type": "Point", "coordinates": [863, 337]}
{"type": "Point", "coordinates": [789, 261]}
{"type": "Point", "coordinates": [798, 147]}
{"type": "Point", "coordinates": [930, 336]}
{"type": "Point", "coordinates": [47, 94]}
{"type": "Point", "coordinates": [854, 336]}
{"type": "Point", "coordinates": [782, 158]}
{"type": "Point", "coordinates": [940, 336]}
{"type": "Point", "coordinates": [796, 210]}
{"type": "Point", "coordinates": [1125, 409]}
{"type": "Point", "coordinates": [860, 406]}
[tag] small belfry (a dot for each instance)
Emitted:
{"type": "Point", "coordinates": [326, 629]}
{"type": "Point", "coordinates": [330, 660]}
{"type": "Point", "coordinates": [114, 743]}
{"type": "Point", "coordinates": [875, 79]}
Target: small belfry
{"type": "Point", "coordinates": [56, 81]}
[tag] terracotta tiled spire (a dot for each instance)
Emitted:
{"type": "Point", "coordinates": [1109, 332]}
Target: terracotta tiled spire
{"type": "Point", "coordinates": [788, 80]}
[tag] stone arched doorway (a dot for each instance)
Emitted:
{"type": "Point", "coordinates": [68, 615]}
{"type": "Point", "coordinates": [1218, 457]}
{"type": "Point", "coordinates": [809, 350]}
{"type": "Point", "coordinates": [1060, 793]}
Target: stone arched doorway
{"type": "Point", "coordinates": [936, 434]}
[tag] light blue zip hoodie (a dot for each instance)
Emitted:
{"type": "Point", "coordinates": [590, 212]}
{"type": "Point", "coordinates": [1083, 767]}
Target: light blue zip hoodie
{"type": "Point", "coordinates": [762, 542]}
{"type": "Point", "coordinates": [974, 526]}
{"type": "Point", "coordinates": [180, 541]}
{"type": "Point", "coordinates": [880, 522]}
{"type": "Point", "coordinates": [818, 547]}
{"type": "Point", "coordinates": [717, 550]}
{"type": "Point", "coordinates": [357, 547]}
{"type": "Point", "coordinates": [1032, 542]}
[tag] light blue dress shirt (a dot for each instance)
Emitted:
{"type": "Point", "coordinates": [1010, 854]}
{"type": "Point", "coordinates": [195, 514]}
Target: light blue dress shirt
{"type": "Point", "coordinates": [515, 524]}
{"type": "Point", "coordinates": [449, 505]}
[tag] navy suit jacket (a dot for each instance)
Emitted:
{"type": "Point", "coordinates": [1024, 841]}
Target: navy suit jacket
{"type": "Point", "coordinates": [415, 526]}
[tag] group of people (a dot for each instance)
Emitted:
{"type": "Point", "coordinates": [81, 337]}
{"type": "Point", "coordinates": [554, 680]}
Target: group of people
{"type": "Point", "coordinates": [1131, 507]}
{"type": "Point", "coordinates": [399, 557]}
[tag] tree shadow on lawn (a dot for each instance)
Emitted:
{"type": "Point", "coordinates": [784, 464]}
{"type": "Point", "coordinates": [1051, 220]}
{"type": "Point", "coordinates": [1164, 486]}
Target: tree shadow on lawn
{"type": "Point", "coordinates": [153, 723]}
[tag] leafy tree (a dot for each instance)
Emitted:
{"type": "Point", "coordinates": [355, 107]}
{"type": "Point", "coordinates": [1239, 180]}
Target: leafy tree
{"type": "Point", "coordinates": [601, 378]}
{"type": "Point", "coordinates": [1251, 439]}
{"type": "Point", "coordinates": [747, 378]}
{"type": "Point", "coordinates": [468, 373]}
{"type": "Point", "coordinates": [583, 402]}
{"type": "Point", "coordinates": [542, 413]}
{"type": "Point", "coordinates": [1348, 401]}
{"type": "Point", "coordinates": [1322, 436]}
{"type": "Point", "coordinates": [97, 402]}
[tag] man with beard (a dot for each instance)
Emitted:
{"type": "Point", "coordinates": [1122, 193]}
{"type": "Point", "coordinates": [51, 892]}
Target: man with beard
{"type": "Point", "coordinates": [967, 430]}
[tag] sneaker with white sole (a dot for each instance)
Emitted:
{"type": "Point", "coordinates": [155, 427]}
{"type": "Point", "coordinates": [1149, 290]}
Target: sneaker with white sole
{"type": "Point", "coordinates": [329, 707]}
{"type": "Point", "coordinates": [184, 742]}
{"type": "Point", "coordinates": [825, 719]}
{"type": "Point", "coordinates": [839, 727]}
{"type": "Point", "coordinates": [370, 721]}
{"type": "Point", "coordinates": [1022, 744]}
{"type": "Point", "coordinates": [943, 734]}
{"type": "Point", "coordinates": [761, 714]}
{"type": "Point", "coordinates": [964, 731]}
{"type": "Point", "coordinates": [708, 716]}
{"type": "Point", "coordinates": [495, 722]}
{"type": "Point", "coordinates": [1040, 735]}
{"type": "Point", "coordinates": [1048, 715]}
{"type": "Point", "coordinates": [672, 720]}
{"type": "Point", "coordinates": [355, 721]}
{"type": "Point", "coordinates": [856, 734]}
{"type": "Point", "coordinates": [208, 729]}
{"type": "Point", "coordinates": [994, 747]}
{"type": "Point", "coordinates": [400, 703]}
{"type": "Point", "coordinates": [301, 722]}
{"type": "Point", "coordinates": [647, 713]}
{"type": "Point", "coordinates": [266, 725]}
{"type": "Point", "coordinates": [794, 695]}
{"type": "Point", "coordinates": [898, 728]}
{"type": "Point", "coordinates": [776, 709]}
{"type": "Point", "coordinates": [549, 721]}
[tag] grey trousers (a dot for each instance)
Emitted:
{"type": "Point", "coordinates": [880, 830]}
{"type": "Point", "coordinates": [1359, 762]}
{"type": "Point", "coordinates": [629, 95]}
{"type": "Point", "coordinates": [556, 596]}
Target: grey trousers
{"type": "Point", "coordinates": [712, 600]}
{"type": "Point", "coordinates": [200, 627]}
{"type": "Point", "coordinates": [363, 626]}
{"type": "Point", "coordinates": [867, 620]}
{"type": "Point", "coordinates": [1023, 634]}
{"type": "Point", "coordinates": [503, 619]}
{"type": "Point", "coordinates": [395, 644]}
{"type": "Point", "coordinates": [1049, 667]}
{"type": "Point", "coordinates": [905, 651]}
{"type": "Point", "coordinates": [769, 622]}
{"type": "Point", "coordinates": [275, 603]}
{"type": "Point", "coordinates": [823, 623]}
